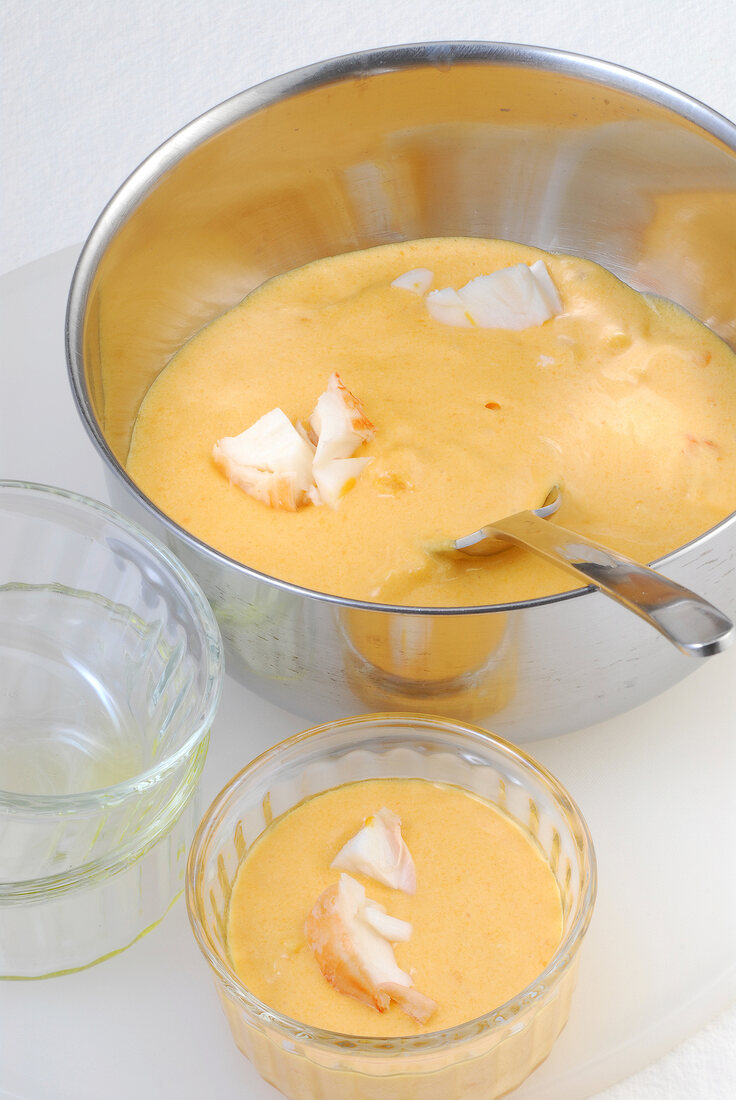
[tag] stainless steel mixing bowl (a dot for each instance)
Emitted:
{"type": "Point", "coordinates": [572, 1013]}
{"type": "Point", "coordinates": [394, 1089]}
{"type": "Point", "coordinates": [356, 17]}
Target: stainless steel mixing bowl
{"type": "Point", "coordinates": [481, 139]}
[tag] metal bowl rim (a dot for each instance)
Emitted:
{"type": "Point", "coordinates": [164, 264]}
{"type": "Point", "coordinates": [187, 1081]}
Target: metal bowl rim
{"type": "Point", "coordinates": [441, 54]}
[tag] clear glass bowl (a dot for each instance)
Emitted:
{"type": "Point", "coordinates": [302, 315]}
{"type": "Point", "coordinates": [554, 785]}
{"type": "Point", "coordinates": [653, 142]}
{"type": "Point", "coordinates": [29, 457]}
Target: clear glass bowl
{"type": "Point", "coordinates": [110, 675]}
{"type": "Point", "coordinates": [485, 1057]}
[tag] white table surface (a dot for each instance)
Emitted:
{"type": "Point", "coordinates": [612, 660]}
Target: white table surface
{"type": "Point", "coordinates": [656, 787]}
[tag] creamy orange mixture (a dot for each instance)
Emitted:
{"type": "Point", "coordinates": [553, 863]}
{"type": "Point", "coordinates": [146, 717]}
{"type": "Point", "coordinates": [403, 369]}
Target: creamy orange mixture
{"type": "Point", "coordinates": [486, 916]}
{"type": "Point", "coordinates": [626, 402]}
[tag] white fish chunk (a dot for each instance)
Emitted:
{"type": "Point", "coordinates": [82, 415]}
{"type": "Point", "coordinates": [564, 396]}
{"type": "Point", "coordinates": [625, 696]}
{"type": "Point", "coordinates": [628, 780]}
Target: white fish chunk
{"type": "Point", "coordinates": [448, 307]}
{"type": "Point", "coordinates": [418, 280]}
{"type": "Point", "coordinates": [285, 465]}
{"type": "Point", "coordinates": [339, 425]}
{"type": "Point", "coordinates": [379, 851]}
{"type": "Point", "coordinates": [270, 461]}
{"type": "Point", "coordinates": [339, 422]}
{"type": "Point", "coordinates": [354, 957]}
{"type": "Point", "coordinates": [514, 298]}
{"type": "Point", "coordinates": [546, 287]}
{"type": "Point", "coordinates": [335, 477]}
{"type": "Point", "coordinates": [391, 928]}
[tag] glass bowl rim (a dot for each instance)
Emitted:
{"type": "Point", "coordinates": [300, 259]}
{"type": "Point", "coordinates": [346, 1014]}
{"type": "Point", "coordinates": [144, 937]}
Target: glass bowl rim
{"type": "Point", "coordinates": [427, 1042]}
{"type": "Point", "coordinates": [202, 615]}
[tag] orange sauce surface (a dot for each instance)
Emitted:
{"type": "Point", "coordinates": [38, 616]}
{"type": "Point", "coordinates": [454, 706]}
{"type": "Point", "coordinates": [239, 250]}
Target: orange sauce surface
{"type": "Point", "coordinates": [486, 916]}
{"type": "Point", "coordinates": [627, 402]}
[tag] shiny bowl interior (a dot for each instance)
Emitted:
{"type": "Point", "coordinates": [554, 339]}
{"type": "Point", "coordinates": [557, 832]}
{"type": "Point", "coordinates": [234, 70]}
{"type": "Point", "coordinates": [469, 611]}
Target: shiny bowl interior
{"type": "Point", "coordinates": [482, 1058]}
{"type": "Point", "coordinates": [110, 674]}
{"type": "Point", "coordinates": [561, 151]}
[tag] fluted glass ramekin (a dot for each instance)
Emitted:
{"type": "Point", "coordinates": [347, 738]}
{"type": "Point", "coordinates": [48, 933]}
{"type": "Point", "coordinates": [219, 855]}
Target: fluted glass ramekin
{"type": "Point", "coordinates": [483, 1058]}
{"type": "Point", "coordinates": [110, 675]}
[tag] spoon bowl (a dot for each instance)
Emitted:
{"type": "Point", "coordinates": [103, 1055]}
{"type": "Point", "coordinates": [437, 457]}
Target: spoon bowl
{"type": "Point", "coordinates": [689, 622]}
{"type": "Point", "coordinates": [485, 542]}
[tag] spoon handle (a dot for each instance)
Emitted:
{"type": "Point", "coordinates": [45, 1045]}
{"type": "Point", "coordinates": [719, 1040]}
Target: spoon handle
{"type": "Point", "coordinates": [686, 619]}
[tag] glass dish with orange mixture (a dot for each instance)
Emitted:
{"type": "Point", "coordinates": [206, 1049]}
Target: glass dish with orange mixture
{"type": "Point", "coordinates": [480, 934]}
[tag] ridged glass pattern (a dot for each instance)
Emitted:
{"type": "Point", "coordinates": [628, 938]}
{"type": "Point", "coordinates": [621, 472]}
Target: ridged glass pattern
{"type": "Point", "coordinates": [110, 673]}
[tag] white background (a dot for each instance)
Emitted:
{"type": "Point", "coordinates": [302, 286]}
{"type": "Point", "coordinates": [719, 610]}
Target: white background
{"type": "Point", "coordinates": [90, 87]}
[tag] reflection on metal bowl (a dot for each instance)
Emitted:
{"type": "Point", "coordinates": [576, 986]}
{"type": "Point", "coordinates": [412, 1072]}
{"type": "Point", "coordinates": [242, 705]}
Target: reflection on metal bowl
{"type": "Point", "coordinates": [480, 139]}
{"type": "Point", "coordinates": [461, 666]}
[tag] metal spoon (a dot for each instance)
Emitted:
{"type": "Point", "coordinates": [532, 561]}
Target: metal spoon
{"type": "Point", "coordinates": [685, 619]}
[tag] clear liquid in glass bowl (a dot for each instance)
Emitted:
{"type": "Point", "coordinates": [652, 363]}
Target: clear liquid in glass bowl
{"type": "Point", "coordinates": [68, 729]}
